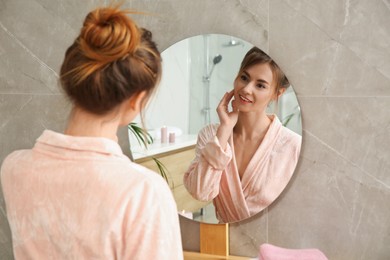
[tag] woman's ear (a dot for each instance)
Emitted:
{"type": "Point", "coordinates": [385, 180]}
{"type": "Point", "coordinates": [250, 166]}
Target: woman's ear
{"type": "Point", "coordinates": [280, 92]}
{"type": "Point", "coordinates": [132, 106]}
{"type": "Point", "coordinates": [136, 102]}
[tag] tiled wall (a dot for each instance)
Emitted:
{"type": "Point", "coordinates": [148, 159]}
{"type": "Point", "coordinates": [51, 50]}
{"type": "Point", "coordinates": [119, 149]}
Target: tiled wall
{"type": "Point", "coordinates": [336, 53]}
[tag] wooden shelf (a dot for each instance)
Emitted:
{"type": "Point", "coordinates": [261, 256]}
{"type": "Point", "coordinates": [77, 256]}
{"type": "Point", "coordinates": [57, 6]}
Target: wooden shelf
{"type": "Point", "coordinates": [177, 163]}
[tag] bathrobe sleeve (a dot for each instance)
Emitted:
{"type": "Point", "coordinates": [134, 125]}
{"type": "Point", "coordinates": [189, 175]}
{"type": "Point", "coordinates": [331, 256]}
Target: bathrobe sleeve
{"type": "Point", "coordinates": [203, 176]}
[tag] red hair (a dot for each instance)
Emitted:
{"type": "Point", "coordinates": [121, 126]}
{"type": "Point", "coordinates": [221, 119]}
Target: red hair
{"type": "Point", "coordinates": [111, 60]}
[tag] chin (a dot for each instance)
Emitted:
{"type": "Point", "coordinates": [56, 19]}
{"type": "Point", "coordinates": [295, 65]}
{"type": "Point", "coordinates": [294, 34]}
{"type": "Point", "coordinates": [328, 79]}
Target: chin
{"type": "Point", "coordinates": [243, 109]}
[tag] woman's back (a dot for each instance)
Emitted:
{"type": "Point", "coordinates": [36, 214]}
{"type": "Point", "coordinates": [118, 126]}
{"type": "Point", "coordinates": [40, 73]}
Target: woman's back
{"type": "Point", "coordinates": [75, 195]}
{"type": "Point", "coordinates": [81, 198]}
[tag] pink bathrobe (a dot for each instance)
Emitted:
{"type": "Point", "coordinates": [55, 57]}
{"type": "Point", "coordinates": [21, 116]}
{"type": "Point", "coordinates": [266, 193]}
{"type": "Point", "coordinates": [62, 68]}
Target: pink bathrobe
{"type": "Point", "coordinates": [81, 198]}
{"type": "Point", "coordinates": [213, 174]}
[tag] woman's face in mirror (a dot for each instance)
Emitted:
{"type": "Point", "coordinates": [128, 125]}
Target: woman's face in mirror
{"type": "Point", "coordinates": [254, 88]}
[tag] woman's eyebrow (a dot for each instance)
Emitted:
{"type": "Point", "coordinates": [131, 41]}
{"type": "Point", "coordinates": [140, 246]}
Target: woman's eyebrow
{"type": "Point", "coordinates": [262, 81]}
{"type": "Point", "coordinates": [258, 80]}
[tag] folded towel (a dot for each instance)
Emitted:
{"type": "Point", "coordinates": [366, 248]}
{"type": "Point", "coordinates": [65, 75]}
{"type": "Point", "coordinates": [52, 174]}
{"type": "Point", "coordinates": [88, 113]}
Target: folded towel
{"type": "Point", "coordinates": [271, 252]}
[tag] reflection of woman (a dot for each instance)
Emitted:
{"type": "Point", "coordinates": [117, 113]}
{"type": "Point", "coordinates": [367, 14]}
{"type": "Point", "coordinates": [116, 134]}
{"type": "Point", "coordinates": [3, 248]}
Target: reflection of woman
{"type": "Point", "coordinates": [245, 162]}
{"type": "Point", "coordinates": [76, 195]}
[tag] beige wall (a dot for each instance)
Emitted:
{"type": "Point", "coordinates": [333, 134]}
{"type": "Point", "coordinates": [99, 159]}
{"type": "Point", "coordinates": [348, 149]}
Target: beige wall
{"type": "Point", "coordinates": [336, 54]}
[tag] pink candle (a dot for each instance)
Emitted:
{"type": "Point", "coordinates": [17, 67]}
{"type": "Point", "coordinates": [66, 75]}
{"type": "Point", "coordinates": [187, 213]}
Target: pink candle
{"type": "Point", "coordinates": [171, 137]}
{"type": "Point", "coordinates": [164, 134]}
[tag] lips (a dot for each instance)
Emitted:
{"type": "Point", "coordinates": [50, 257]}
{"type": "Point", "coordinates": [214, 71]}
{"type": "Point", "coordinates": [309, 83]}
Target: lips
{"type": "Point", "coordinates": [244, 99]}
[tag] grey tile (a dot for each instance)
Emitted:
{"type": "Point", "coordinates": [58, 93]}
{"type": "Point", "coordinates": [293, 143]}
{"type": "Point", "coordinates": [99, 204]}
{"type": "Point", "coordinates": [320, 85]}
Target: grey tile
{"type": "Point", "coordinates": [315, 62]}
{"type": "Point", "coordinates": [24, 117]}
{"type": "Point", "coordinates": [40, 31]}
{"type": "Point", "coordinates": [357, 129]}
{"type": "Point", "coordinates": [172, 21]}
{"type": "Point", "coordinates": [190, 234]}
{"type": "Point", "coordinates": [22, 72]}
{"type": "Point", "coordinates": [361, 26]}
{"type": "Point", "coordinates": [332, 205]}
{"type": "Point", "coordinates": [246, 236]}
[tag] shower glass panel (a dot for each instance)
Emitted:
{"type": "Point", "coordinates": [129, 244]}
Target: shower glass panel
{"type": "Point", "coordinates": [215, 61]}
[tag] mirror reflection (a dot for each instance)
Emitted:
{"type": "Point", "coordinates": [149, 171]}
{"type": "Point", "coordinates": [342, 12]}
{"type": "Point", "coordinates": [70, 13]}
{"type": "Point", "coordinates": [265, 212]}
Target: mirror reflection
{"type": "Point", "coordinates": [233, 101]}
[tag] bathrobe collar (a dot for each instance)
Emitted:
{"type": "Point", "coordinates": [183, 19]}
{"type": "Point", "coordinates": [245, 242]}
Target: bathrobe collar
{"type": "Point", "coordinates": [264, 149]}
{"type": "Point", "coordinates": [78, 143]}
{"type": "Point", "coordinates": [241, 187]}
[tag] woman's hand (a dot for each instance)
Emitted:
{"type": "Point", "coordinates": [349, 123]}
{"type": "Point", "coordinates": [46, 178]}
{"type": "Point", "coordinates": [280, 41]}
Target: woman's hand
{"type": "Point", "coordinates": [227, 119]}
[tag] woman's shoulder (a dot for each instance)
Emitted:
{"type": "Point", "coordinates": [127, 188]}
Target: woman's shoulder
{"type": "Point", "coordinates": [285, 134]}
{"type": "Point", "coordinates": [148, 175]}
{"type": "Point", "coordinates": [290, 134]}
{"type": "Point", "coordinates": [138, 175]}
{"type": "Point", "coordinates": [290, 140]}
{"type": "Point", "coordinates": [14, 159]}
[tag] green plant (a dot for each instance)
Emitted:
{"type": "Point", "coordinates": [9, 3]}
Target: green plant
{"type": "Point", "coordinates": [161, 168]}
{"type": "Point", "coordinates": [144, 139]}
{"type": "Point", "coordinates": [142, 136]}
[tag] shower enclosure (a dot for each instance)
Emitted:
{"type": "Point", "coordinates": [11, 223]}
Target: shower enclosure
{"type": "Point", "coordinates": [215, 60]}
{"type": "Point", "coordinates": [207, 73]}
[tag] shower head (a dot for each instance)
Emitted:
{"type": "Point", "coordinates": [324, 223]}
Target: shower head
{"type": "Point", "coordinates": [232, 43]}
{"type": "Point", "coordinates": [217, 59]}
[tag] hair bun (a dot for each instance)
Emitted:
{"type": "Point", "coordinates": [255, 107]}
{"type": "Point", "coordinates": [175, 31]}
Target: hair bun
{"type": "Point", "coordinates": [108, 34]}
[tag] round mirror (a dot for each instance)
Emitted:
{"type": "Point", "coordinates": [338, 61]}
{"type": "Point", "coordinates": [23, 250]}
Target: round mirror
{"type": "Point", "coordinates": [232, 176]}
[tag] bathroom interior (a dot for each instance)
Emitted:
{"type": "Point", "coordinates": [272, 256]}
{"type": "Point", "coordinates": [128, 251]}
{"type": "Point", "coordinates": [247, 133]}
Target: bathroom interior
{"type": "Point", "coordinates": [337, 57]}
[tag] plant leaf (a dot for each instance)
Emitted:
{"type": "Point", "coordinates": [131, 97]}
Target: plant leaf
{"type": "Point", "coordinates": [161, 168]}
{"type": "Point", "coordinates": [142, 136]}
{"type": "Point", "coordinates": [287, 119]}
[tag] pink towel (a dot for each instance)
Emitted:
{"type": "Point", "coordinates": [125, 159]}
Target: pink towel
{"type": "Point", "coordinates": [271, 252]}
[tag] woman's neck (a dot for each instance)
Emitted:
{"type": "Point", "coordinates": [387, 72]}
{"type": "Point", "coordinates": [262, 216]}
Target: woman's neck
{"type": "Point", "coordinates": [252, 126]}
{"type": "Point", "coordinates": [82, 123]}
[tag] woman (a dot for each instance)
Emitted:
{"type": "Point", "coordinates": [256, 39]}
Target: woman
{"type": "Point", "coordinates": [76, 195]}
{"type": "Point", "coordinates": [244, 163]}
